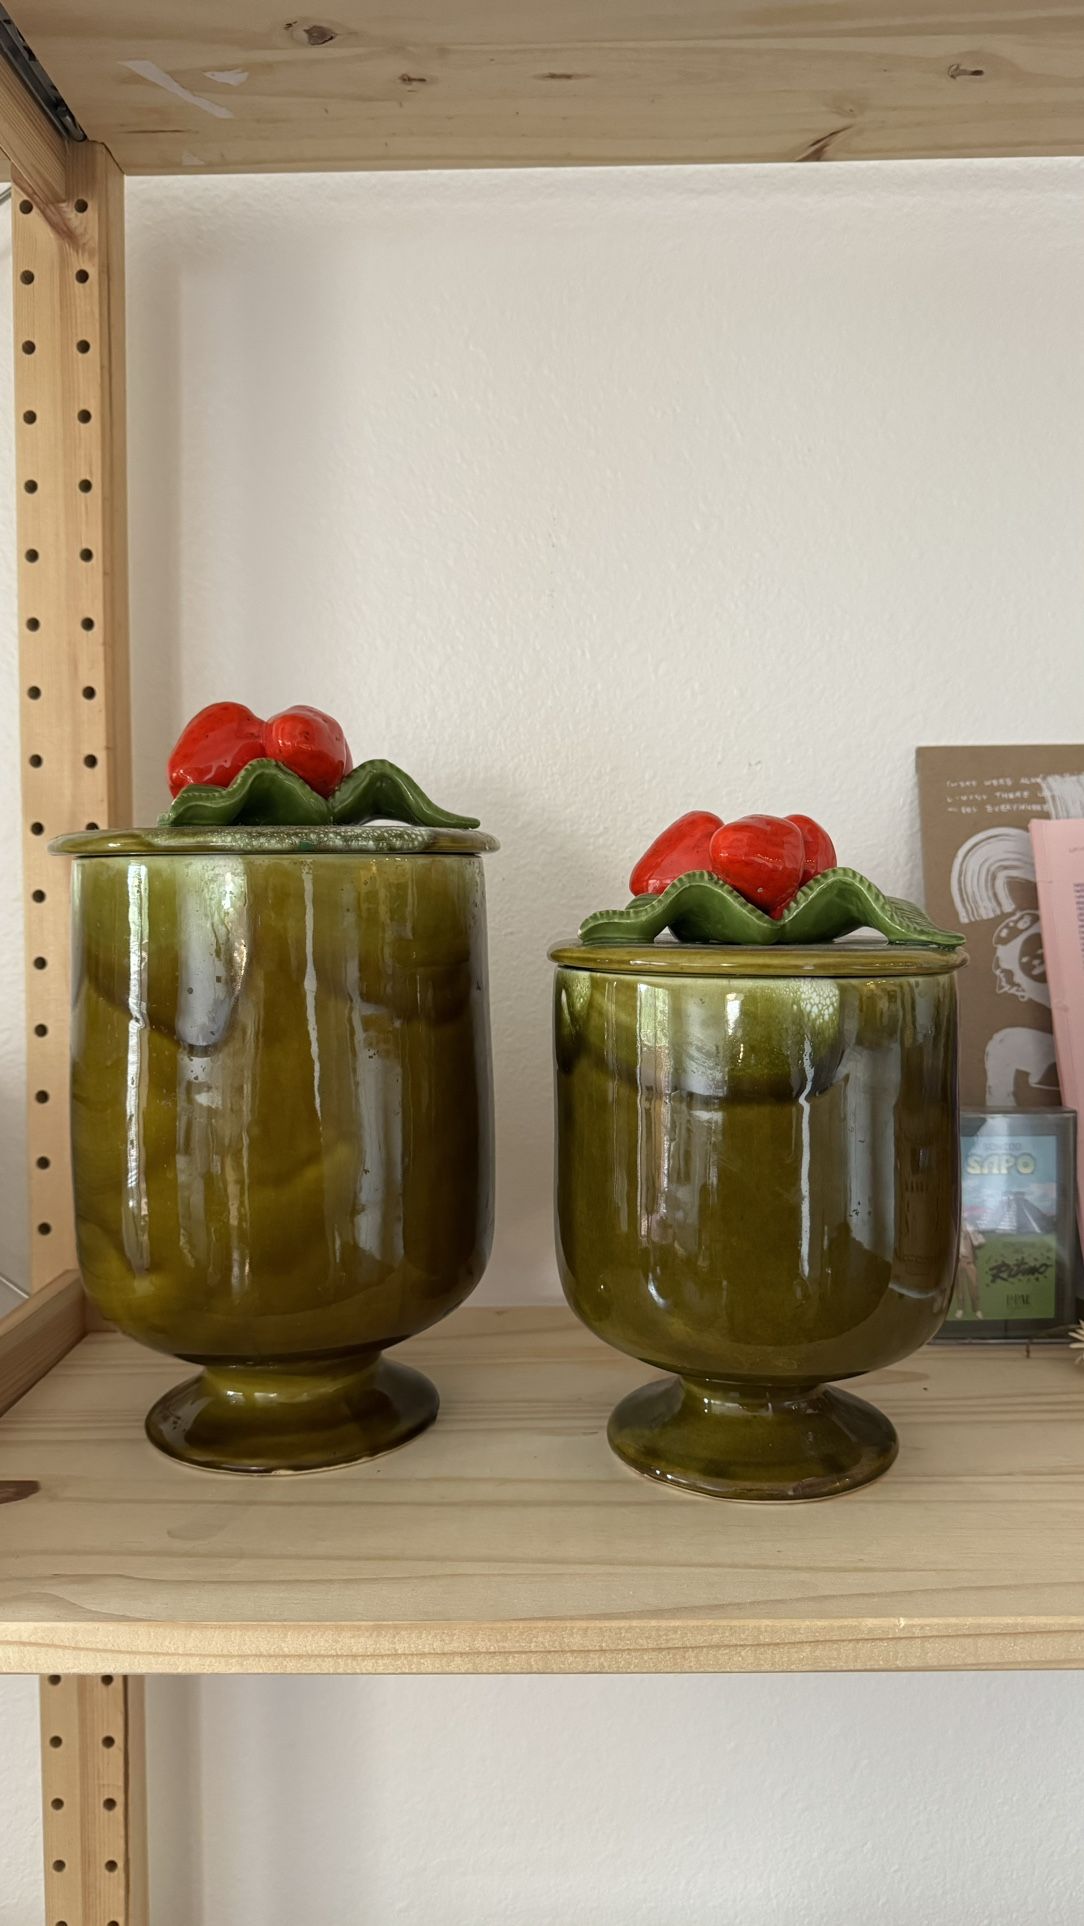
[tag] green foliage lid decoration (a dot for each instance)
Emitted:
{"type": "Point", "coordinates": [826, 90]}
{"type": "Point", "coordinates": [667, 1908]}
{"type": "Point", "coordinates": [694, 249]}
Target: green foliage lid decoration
{"type": "Point", "coordinates": [699, 908]}
{"type": "Point", "coordinates": [267, 792]}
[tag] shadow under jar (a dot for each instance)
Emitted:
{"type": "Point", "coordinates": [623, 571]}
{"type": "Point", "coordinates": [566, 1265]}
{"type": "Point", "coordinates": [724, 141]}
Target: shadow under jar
{"type": "Point", "coordinates": [282, 1135]}
{"type": "Point", "coordinates": [758, 1189]}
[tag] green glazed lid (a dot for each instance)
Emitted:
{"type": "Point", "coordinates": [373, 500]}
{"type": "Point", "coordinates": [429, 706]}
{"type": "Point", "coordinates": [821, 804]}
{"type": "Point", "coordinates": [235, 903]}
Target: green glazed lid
{"type": "Point", "coordinates": [278, 839]}
{"type": "Point", "coordinates": [869, 959]}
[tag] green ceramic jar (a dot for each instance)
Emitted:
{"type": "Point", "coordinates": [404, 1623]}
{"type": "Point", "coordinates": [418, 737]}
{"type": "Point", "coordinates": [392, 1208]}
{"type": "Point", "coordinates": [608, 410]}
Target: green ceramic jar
{"type": "Point", "coordinates": [282, 1131]}
{"type": "Point", "coordinates": [757, 1190]}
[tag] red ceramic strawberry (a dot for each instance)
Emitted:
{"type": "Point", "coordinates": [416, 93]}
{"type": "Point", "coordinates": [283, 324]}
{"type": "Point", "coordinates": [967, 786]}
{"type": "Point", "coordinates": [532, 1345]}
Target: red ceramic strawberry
{"type": "Point", "coordinates": [685, 845]}
{"type": "Point", "coordinates": [761, 857]}
{"type": "Point", "coordinates": [215, 746]}
{"type": "Point", "coordinates": [819, 849]}
{"type": "Point", "coordinates": [310, 743]}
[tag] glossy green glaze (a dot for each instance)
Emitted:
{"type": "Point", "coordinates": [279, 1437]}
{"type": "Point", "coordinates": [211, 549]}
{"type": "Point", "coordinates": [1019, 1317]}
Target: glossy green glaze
{"type": "Point", "coordinates": [758, 1189]}
{"type": "Point", "coordinates": [282, 1127]}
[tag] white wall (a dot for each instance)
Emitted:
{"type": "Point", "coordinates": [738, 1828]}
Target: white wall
{"type": "Point", "coordinates": [591, 498]}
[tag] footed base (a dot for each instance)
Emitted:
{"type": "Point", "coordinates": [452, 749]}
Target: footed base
{"type": "Point", "coordinates": [291, 1417]}
{"type": "Point", "coordinates": [733, 1441]}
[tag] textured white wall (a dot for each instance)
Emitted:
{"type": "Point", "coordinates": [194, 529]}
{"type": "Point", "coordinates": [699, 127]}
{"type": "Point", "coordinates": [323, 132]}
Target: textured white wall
{"type": "Point", "coordinates": [592, 497]}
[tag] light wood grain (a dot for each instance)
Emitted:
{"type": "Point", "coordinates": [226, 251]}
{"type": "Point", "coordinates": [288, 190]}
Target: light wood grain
{"type": "Point", "coordinates": [73, 585]}
{"type": "Point", "coordinates": [37, 1335]}
{"type": "Point", "coordinates": [509, 1538]}
{"type": "Point", "coordinates": [93, 1800]}
{"type": "Point", "coordinates": [35, 150]}
{"type": "Point", "coordinates": [469, 83]}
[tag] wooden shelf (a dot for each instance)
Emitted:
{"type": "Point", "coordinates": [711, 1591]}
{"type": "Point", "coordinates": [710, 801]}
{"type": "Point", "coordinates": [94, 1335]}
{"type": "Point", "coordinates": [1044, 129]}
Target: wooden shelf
{"type": "Point", "coordinates": [170, 89]}
{"type": "Point", "coordinates": [509, 1539]}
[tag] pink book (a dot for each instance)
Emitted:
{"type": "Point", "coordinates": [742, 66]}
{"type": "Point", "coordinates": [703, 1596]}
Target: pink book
{"type": "Point", "coordinates": [1059, 873]}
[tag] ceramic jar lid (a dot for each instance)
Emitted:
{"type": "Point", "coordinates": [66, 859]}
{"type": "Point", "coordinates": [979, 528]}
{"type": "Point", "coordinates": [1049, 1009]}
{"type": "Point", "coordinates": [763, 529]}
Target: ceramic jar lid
{"type": "Point", "coordinates": [860, 959]}
{"type": "Point", "coordinates": [251, 839]}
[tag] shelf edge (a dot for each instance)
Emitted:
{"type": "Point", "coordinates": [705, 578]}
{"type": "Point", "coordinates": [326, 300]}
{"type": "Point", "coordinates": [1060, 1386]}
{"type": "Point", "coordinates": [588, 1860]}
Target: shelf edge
{"type": "Point", "coordinates": [541, 1646]}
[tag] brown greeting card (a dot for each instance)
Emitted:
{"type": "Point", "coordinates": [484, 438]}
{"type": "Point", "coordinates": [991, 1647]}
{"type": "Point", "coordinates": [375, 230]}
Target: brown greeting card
{"type": "Point", "coordinates": [975, 805]}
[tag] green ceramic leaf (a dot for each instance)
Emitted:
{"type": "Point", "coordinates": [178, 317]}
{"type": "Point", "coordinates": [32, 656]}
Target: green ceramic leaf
{"type": "Point", "coordinates": [267, 792]}
{"type": "Point", "coordinates": [263, 792]}
{"type": "Point", "coordinates": [699, 908]}
{"type": "Point", "coordinates": [378, 789]}
{"type": "Point", "coordinates": [842, 900]}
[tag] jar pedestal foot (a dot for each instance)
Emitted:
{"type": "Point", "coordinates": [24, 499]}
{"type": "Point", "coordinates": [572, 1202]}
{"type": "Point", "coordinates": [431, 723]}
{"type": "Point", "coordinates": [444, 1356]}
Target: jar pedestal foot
{"type": "Point", "coordinates": [292, 1417]}
{"type": "Point", "coordinates": [732, 1441]}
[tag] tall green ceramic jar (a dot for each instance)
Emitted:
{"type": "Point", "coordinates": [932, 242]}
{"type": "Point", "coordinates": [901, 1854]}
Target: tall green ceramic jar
{"type": "Point", "coordinates": [758, 1191]}
{"type": "Point", "coordinates": [282, 1128]}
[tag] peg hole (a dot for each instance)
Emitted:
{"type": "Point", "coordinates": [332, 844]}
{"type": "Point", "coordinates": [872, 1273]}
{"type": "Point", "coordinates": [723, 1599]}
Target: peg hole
{"type": "Point", "coordinates": [90, 825]}
{"type": "Point", "coordinates": [33, 623]}
{"type": "Point", "coordinates": [82, 347]}
{"type": "Point", "coordinates": [82, 276]}
{"type": "Point", "coordinates": [87, 623]}
{"type": "Point", "coordinates": [41, 1096]}
{"type": "Point", "coordinates": [83, 415]}
{"type": "Point", "coordinates": [30, 416]}
{"type": "Point", "coordinates": [30, 487]}
{"type": "Point", "coordinates": [109, 1741]}
{"type": "Point", "coordinates": [55, 1741]}
{"type": "Point", "coordinates": [30, 347]}
{"type": "Point", "coordinates": [80, 206]}
{"type": "Point", "coordinates": [41, 1029]}
{"type": "Point", "coordinates": [86, 554]}
{"type": "Point", "coordinates": [45, 1230]}
{"type": "Point", "coordinates": [44, 1163]}
{"type": "Point", "coordinates": [110, 1865]}
{"type": "Point", "coordinates": [109, 1805]}
{"type": "Point", "coordinates": [34, 692]}
{"type": "Point", "coordinates": [90, 762]}
{"type": "Point", "coordinates": [89, 693]}
{"type": "Point", "coordinates": [35, 760]}
{"type": "Point", "coordinates": [41, 962]}
{"type": "Point", "coordinates": [26, 277]}
{"type": "Point", "coordinates": [56, 1805]}
{"type": "Point", "coordinates": [26, 207]}
{"type": "Point", "coordinates": [31, 554]}
{"type": "Point", "coordinates": [37, 829]}
{"type": "Point", "coordinates": [60, 1865]}
{"type": "Point", "coordinates": [85, 486]}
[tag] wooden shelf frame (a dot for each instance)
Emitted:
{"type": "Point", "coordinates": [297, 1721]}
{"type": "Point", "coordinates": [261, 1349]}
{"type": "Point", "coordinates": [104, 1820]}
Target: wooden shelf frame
{"type": "Point", "coordinates": [508, 1539]}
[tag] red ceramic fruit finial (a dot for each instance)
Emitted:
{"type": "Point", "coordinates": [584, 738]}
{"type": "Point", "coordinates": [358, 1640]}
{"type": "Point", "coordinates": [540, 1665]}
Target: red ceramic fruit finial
{"type": "Point", "coordinates": [310, 743]}
{"type": "Point", "coordinates": [215, 746]}
{"type": "Point", "coordinates": [761, 857]}
{"type": "Point", "coordinates": [685, 845]}
{"type": "Point", "coordinates": [820, 850]}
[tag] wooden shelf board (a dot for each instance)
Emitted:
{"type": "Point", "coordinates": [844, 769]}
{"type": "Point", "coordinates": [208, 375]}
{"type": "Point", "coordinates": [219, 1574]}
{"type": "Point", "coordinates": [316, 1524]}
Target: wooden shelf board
{"type": "Point", "coordinates": [554, 82]}
{"type": "Point", "coordinates": [509, 1539]}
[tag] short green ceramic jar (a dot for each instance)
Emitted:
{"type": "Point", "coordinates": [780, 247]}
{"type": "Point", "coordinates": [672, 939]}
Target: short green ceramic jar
{"type": "Point", "coordinates": [282, 1131]}
{"type": "Point", "coordinates": [758, 1190]}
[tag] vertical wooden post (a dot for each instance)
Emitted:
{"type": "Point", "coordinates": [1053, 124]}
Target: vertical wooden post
{"type": "Point", "coordinates": [68, 267]}
{"type": "Point", "coordinates": [93, 1779]}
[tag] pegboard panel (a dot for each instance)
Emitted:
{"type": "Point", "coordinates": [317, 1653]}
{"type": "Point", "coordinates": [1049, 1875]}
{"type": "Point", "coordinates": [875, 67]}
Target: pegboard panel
{"type": "Point", "coordinates": [73, 587]}
{"type": "Point", "coordinates": [93, 1781]}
